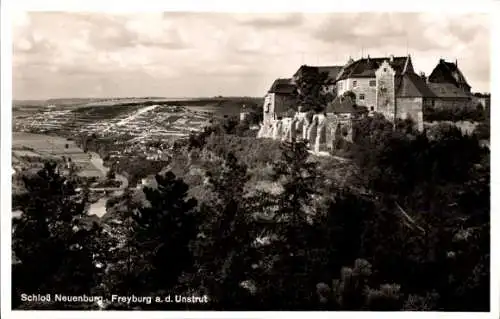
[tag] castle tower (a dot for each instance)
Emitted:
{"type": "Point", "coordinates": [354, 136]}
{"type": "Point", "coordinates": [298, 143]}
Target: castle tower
{"type": "Point", "coordinates": [386, 95]}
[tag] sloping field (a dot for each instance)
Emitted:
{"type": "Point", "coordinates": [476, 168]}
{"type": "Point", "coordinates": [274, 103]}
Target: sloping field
{"type": "Point", "coordinates": [136, 119]}
{"type": "Point", "coordinates": [51, 146]}
{"type": "Point", "coordinates": [105, 112]}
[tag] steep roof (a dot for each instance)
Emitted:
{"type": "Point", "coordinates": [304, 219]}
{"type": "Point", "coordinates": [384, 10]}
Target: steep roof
{"type": "Point", "coordinates": [332, 70]}
{"type": "Point", "coordinates": [447, 90]}
{"type": "Point", "coordinates": [341, 105]}
{"type": "Point", "coordinates": [282, 86]}
{"type": "Point", "coordinates": [448, 72]}
{"type": "Point", "coordinates": [366, 67]}
{"type": "Point", "coordinates": [412, 85]}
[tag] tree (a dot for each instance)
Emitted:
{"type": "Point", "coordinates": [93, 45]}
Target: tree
{"type": "Point", "coordinates": [353, 291]}
{"type": "Point", "coordinates": [229, 124]}
{"type": "Point", "coordinates": [482, 130]}
{"type": "Point", "coordinates": [310, 87]}
{"type": "Point", "coordinates": [350, 95]}
{"type": "Point", "coordinates": [227, 231]}
{"type": "Point", "coordinates": [126, 261]}
{"type": "Point", "coordinates": [285, 284]}
{"type": "Point", "coordinates": [58, 247]}
{"type": "Point", "coordinates": [432, 178]}
{"type": "Point", "coordinates": [159, 231]}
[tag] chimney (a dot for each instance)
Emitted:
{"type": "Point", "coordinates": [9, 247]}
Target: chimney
{"type": "Point", "coordinates": [351, 60]}
{"type": "Point", "coordinates": [441, 60]}
{"type": "Point", "coordinates": [456, 62]}
{"type": "Point", "coordinates": [422, 75]}
{"type": "Point", "coordinates": [391, 58]}
{"type": "Point", "coordinates": [368, 58]}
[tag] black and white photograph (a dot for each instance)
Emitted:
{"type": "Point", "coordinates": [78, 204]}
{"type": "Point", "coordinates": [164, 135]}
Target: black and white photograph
{"type": "Point", "coordinates": [250, 161]}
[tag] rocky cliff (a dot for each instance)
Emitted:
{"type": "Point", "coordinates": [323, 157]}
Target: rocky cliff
{"type": "Point", "coordinates": [319, 130]}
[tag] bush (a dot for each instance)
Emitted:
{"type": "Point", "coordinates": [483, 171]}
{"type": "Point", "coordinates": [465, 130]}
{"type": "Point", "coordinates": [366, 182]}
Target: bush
{"type": "Point", "coordinates": [454, 115]}
{"type": "Point", "coordinates": [482, 131]}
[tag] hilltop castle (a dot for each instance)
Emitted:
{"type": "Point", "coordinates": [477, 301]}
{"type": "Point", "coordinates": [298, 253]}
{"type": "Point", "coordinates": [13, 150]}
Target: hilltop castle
{"type": "Point", "coordinates": [386, 85]}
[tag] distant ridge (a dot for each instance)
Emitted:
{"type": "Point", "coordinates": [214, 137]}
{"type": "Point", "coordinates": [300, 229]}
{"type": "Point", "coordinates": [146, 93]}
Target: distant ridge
{"type": "Point", "coordinates": [78, 100]}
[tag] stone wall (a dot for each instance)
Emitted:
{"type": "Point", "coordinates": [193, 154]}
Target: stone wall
{"type": "Point", "coordinates": [410, 107]}
{"type": "Point", "coordinates": [466, 127]}
{"type": "Point", "coordinates": [452, 103]}
{"type": "Point", "coordinates": [320, 132]}
{"type": "Point", "coordinates": [485, 101]}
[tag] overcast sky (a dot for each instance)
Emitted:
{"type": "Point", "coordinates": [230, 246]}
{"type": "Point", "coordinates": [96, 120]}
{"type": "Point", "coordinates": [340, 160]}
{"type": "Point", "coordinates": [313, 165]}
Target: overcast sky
{"type": "Point", "coordinates": [208, 54]}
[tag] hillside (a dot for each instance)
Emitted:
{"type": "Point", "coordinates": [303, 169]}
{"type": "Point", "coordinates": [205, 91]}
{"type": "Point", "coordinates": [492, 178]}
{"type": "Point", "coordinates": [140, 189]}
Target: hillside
{"type": "Point", "coordinates": [139, 118]}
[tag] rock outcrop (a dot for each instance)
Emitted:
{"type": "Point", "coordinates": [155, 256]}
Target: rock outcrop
{"type": "Point", "coordinates": [320, 131]}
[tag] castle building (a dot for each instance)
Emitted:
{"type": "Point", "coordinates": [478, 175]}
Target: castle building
{"type": "Point", "coordinates": [360, 78]}
{"type": "Point", "coordinates": [390, 86]}
{"type": "Point", "coordinates": [279, 99]}
{"type": "Point", "coordinates": [386, 85]}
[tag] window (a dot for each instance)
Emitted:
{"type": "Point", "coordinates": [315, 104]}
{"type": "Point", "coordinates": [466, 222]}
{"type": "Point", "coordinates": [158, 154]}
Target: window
{"type": "Point", "coordinates": [373, 82]}
{"type": "Point", "coordinates": [372, 108]}
{"type": "Point", "coordinates": [385, 69]}
{"type": "Point", "coordinates": [340, 85]}
{"type": "Point", "coordinates": [361, 96]}
{"type": "Point", "coordinates": [354, 84]}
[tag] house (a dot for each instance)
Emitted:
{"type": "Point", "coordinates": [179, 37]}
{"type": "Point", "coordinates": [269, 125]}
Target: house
{"type": "Point", "coordinates": [342, 107]}
{"type": "Point", "coordinates": [450, 87]}
{"type": "Point", "coordinates": [279, 99]}
{"type": "Point", "coordinates": [340, 114]}
{"type": "Point", "coordinates": [359, 77]}
{"type": "Point", "coordinates": [448, 72]}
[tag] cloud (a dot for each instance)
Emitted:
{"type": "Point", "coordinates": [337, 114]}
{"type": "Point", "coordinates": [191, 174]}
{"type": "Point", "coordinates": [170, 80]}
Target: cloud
{"type": "Point", "coordinates": [271, 20]}
{"type": "Point", "coordinates": [192, 54]}
{"type": "Point", "coordinates": [371, 30]}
